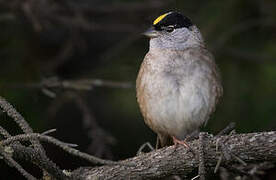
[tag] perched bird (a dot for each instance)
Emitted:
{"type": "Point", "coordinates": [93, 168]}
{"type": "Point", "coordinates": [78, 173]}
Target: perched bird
{"type": "Point", "coordinates": [178, 85]}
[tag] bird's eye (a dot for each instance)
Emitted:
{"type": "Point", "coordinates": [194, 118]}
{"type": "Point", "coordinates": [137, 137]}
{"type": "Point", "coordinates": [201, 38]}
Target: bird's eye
{"type": "Point", "coordinates": [169, 28]}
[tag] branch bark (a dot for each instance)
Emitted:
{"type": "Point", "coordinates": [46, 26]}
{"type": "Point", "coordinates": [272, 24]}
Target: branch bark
{"type": "Point", "coordinates": [249, 148]}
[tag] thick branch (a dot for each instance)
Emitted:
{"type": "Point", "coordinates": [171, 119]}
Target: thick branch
{"type": "Point", "coordinates": [250, 148]}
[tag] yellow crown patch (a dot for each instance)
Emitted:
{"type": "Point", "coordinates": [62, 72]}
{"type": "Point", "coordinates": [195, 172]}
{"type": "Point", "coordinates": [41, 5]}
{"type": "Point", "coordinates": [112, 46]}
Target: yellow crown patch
{"type": "Point", "coordinates": [157, 20]}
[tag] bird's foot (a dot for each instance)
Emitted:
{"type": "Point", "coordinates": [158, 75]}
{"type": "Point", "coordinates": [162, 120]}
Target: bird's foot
{"type": "Point", "coordinates": [182, 142]}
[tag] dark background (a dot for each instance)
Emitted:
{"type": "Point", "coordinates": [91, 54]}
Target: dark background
{"type": "Point", "coordinates": [86, 39]}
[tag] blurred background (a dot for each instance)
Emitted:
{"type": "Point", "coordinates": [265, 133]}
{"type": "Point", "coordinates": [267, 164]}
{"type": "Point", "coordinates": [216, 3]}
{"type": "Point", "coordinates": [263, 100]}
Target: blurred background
{"type": "Point", "coordinates": [72, 65]}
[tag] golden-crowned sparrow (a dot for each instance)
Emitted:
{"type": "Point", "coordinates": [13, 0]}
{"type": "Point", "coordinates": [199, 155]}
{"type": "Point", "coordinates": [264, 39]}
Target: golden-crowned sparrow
{"type": "Point", "coordinates": [178, 85]}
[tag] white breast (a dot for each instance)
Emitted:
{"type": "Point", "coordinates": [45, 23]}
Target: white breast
{"type": "Point", "coordinates": [179, 92]}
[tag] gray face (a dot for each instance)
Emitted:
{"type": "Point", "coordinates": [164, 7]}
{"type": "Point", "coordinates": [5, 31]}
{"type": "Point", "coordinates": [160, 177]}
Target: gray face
{"type": "Point", "coordinates": [178, 39]}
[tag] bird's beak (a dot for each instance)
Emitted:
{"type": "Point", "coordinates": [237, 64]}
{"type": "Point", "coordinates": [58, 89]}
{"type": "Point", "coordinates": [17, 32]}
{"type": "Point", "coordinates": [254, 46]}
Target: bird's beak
{"type": "Point", "coordinates": [151, 33]}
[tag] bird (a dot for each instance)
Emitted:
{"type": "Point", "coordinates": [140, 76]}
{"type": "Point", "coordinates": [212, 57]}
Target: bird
{"type": "Point", "coordinates": [178, 85]}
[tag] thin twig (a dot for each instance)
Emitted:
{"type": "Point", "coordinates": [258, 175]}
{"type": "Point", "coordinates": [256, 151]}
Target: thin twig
{"type": "Point", "coordinates": [227, 129]}
{"type": "Point", "coordinates": [19, 119]}
{"type": "Point", "coordinates": [4, 133]}
{"type": "Point", "coordinates": [29, 154]}
{"type": "Point", "coordinates": [201, 168]}
{"type": "Point", "coordinates": [81, 84]}
{"type": "Point", "coordinates": [196, 177]}
{"type": "Point", "coordinates": [17, 166]}
{"type": "Point", "coordinates": [218, 163]}
{"type": "Point", "coordinates": [49, 131]}
{"type": "Point", "coordinates": [62, 145]}
{"type": "Point", "coordinates": [101, 140]}
{"type": "Point", "coordinates": [146, 144]}
{"type": "Point", "coordinates": [16, 116]}
{"type": "Point", "coordinates": [239, 160]}
{"type": "Point", "coordinates": [11, 162]}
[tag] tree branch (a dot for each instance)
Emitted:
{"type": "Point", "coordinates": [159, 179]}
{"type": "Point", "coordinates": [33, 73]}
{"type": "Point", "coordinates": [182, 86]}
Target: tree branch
{"type": "Point", "coordinates": [81, 84]}
{"type": "Point", "coordinates": [250, 148]}
{"type": "Point", "coordinates": [65, 146]}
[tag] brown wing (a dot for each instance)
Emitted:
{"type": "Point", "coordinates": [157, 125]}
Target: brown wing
{"type": "Point", "coordinates": [141, 93]}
